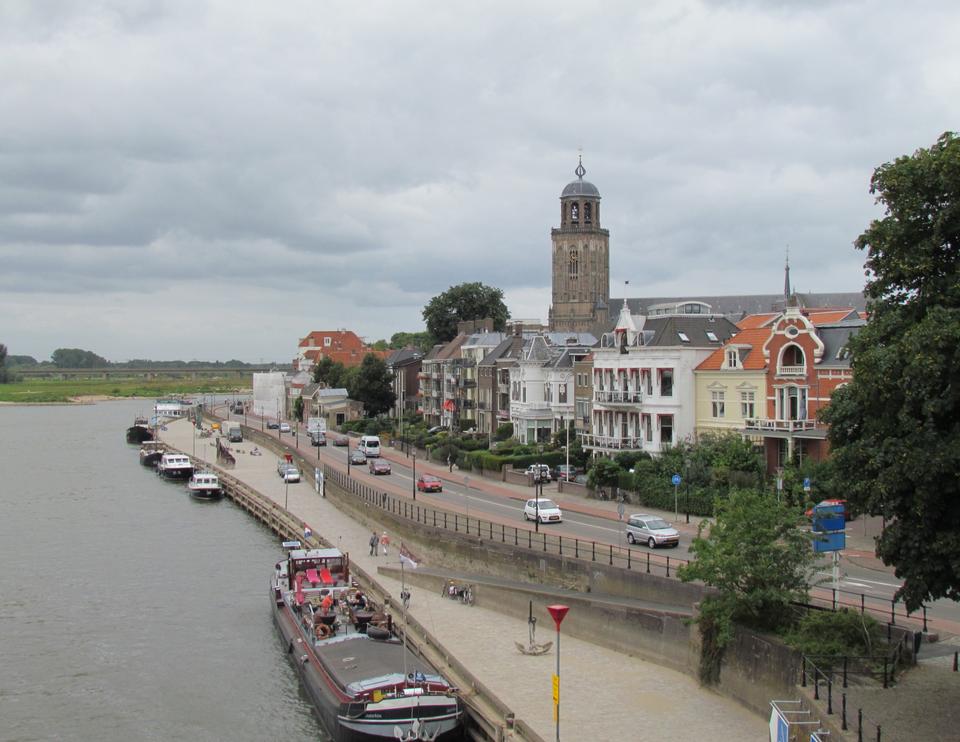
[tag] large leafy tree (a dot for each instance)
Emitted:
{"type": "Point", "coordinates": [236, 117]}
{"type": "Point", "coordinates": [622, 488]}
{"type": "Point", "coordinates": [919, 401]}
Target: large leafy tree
{"type": "Point", "coordinates": [77, 358]}
{"type": "Point", "coordinates": [758, 559]}
{"type": "Point", "coordinates": [895, 429]}
{"type": "Point", "coordinates": [373, 385]}
{"type": "Point", "coordinates": [464, 302]}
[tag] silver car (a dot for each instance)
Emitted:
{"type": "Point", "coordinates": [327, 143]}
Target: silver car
{"type": "Point", "coordinates": [652, 530]}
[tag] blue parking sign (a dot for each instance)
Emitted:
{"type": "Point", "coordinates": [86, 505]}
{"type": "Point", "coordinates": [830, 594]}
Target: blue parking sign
{"type": "Point", "coordinates": [675, 480]}
{"type": "Point", "coordinates": [806, 484]}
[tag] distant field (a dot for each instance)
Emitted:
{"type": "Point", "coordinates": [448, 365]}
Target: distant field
{"type": "Point", "coordinates": [38, 391]}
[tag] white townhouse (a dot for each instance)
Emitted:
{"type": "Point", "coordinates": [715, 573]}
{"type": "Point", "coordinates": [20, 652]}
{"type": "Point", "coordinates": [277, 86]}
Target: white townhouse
{"type": "Point", "coordinates": [644, 389]}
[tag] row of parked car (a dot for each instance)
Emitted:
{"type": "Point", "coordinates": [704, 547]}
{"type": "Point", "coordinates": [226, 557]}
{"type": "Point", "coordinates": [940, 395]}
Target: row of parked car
{"type": "Point", "coordinates": [561, 472]}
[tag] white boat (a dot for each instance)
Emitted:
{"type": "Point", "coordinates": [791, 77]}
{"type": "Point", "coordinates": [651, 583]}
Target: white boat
{"type": "Point", "coordinates": [175, 466]}
{"type": "Point", "coordinates": [172, 408]}
{"type": "Point", "coordinates": [205, 485]}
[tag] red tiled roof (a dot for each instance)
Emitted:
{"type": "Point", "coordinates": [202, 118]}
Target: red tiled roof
{"type": "Point", "coordinates": [339, 340]}
{"type": "Point", "coordinates": [828, 316]}
{"type": "Point", "coordinates": [754, 338]}
{"type": "Point", "coordinates": [753, 321]}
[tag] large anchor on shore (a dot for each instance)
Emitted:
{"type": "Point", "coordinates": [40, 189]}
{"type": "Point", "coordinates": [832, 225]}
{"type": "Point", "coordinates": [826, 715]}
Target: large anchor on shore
{"type": "Point", "coordinates": [418, 733]}
{"type": "Point", "coordinates": [532, 646]}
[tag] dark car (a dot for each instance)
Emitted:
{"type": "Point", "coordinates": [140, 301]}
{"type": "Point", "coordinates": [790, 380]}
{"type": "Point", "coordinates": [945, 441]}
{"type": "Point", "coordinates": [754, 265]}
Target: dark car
{"type": "Point", "coordinates": [358, 457]}
{"type": "Point", "coordinates": [273, 426]}
{"type": "Point", "coordinates": [379, 466]}
{"type": "Point", "coordinates": [339, 440]}
{"type": "Point", "coordinates": [436, 429]}
{"type": "Point", "coordinates": [429, 483]}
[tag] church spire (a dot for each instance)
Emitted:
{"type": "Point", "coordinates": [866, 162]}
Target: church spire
{"type": "Point", "coordinates": [786, 276]}
{"type": "Point", "coordinates": [581, 170]}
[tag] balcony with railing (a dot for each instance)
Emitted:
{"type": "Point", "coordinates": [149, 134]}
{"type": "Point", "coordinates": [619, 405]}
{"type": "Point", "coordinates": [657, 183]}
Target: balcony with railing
{"type": "Point", "coordinates": [781, 428]}
{"type": "Point", "coordinates": [611, 442]}
{"type": "Point", "coordinates": [503, 414]}
{"type": "Point", "coordinates": [791, 371]}
{"type": "Point", "coordinates": [468, 383]}
{"type": "Point", "coordinates": [617, 396]}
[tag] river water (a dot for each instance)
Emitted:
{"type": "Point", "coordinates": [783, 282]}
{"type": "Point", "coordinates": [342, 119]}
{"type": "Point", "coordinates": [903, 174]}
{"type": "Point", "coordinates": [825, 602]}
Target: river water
{"type": "Point", "coordinates": [128, 610]}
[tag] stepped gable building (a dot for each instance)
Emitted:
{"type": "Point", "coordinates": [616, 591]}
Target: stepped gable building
{"type": "Point", "coordinates": [581, 261]}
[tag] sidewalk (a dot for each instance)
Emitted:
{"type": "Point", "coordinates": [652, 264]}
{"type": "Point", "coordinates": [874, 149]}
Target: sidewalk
{"type": "Point", "coordinates": [605, 695]}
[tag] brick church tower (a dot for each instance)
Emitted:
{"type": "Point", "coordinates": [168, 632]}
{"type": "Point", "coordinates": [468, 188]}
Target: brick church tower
{"type": "Point", "coordinates": [581, 261]}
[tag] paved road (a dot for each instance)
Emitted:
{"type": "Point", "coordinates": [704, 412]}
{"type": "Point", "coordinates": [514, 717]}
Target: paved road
{"type": "Point", "coordinates": [605, 695]}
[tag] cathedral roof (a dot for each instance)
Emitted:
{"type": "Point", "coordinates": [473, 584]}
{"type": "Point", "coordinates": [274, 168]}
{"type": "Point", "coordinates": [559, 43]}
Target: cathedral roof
{"type": "Point", "coordinates": [580, 187]}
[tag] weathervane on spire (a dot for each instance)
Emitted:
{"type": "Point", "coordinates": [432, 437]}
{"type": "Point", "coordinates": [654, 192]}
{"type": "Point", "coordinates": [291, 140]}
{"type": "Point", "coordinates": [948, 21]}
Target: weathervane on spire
{"type": "Point", "coordinates": [580, 171]}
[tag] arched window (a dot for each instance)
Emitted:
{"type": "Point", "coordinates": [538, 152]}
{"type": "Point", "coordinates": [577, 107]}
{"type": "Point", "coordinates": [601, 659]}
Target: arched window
{"type": "Point", "coordinates": [574, 212]}
{"type": "Point", "coordinates": [574, 264]}
{"type": "Point", "coordinates": [792, 360]}
{"type": "Point", "coordinates": [586, 213]}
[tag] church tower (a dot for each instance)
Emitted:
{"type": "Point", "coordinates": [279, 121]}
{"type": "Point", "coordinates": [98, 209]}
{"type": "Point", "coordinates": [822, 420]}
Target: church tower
{"type": "Point", "coordinates": [581, 261]}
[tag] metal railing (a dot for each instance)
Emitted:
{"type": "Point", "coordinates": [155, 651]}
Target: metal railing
{"type": "Point", "coordinates": [867, 729]}
{"type": "Point", "coordinates": [617, 396]}
{"type": "Point", "coordinates": [612, 443]}
{"type": "Point", "coordinates": [543, 541]}
{"type": "Point", "coordinates": [779, 425]}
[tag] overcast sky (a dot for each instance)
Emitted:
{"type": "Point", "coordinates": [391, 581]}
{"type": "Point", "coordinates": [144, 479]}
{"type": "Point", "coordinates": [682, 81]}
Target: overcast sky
{"type": "Point", "coordinates": [202, 179]}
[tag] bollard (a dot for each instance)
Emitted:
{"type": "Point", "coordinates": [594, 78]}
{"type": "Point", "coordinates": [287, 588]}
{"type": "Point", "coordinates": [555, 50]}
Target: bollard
{"type": "Point", "coordinates": [859, 725]}
{"type": "Point", "coordinates": [648, 562]}
{"type": "Point", "coordinates": [878, 733]}
{"type": "Point", "coordinates": [843, 713]}
{"type": "Point", "coordinates": [884, 672]}
{"type": "Point", "coordinates": [816, 683]}
{"type": "Point", "coordinates": [830, 694]}
{"type": "Point", "coordinates": [924, 619]}
{"type": "Point", "coordinates": [955, 661]}
{"type": "Point", "coordinates": [844, 671]}
{"type": "Point", "coordinates": [803, 672]}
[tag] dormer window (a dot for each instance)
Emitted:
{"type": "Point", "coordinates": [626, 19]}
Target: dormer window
{"type": "Point", "coordinates": [733, 358]}
{"type": "Point", "coordinates": [327, 342]}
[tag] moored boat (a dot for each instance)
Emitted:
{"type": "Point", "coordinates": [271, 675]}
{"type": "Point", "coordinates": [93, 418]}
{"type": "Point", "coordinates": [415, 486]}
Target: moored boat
{"type": "Point", "coordinates": [175, 466]}
{"type": "Point", "coordinates": [205, 485]}
{"type": "Point", "coordinates": [365, 683]}
{"type": "Point", "coordinates": [139, 431]}
{"type": "Point", "coordinates": [151, 453]}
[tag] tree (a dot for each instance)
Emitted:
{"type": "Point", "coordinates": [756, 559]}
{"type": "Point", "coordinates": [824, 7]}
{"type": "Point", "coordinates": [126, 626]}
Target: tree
{"type": "Point", "coordinates": [422, 340]}
{"type": "Point", "coordinates": [373, 385]}
{"type": "Point", "coordinates": [77, 358]}
{"type": "Point", "coordinates": [468, 301]}
{"type": "Point", "coordinates": [4, 374]}
{"type": "Point", "coordinates": [298, 409]}
{"type": "Point", "coordinates": [604, 473]}
{"type": "Point", "coordinates": [758, 559]}
{"type": "Point", "coordinates": [330, 372]}
{"type": "Point", "coordinates": [894, 429]}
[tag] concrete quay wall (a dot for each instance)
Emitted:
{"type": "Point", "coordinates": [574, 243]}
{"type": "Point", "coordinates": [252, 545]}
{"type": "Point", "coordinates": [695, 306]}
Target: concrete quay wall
{"type": "Point", "coordinates": [755, 670]}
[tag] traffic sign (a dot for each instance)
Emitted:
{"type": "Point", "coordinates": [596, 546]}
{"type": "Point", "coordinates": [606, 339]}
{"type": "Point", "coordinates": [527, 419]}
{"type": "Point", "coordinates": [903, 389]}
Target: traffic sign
{"type": "Point", "coordinates": [675, 480]}
{"type": "Point", "coordinates": [806, 484]}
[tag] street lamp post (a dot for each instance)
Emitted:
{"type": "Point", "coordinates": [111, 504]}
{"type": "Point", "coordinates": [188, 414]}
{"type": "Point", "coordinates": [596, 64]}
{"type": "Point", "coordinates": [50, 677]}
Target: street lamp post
{"type": "Point", "coordinates": [286, 489]}
{"type": "Point", "coordinates": [414, 476]}
{"type": "Point", "coordinates": [466, 499]}
{"type": "Point", "coordinates": [348, 457]}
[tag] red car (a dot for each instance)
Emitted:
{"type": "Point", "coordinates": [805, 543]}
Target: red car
{"type": "Point", "coordinates": [379, 466]}
{"type": "Point", "coordinates": [429, 483]}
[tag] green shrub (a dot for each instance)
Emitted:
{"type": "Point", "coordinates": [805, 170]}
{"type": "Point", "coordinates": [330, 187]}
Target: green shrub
{"type": "Point", "coordinates": [833, 634]}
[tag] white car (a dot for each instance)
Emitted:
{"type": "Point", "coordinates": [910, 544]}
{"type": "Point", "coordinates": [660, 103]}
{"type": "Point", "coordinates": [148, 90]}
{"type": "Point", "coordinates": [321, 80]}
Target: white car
{"type": "Point", "coordinates": [547, 511]}
{"type": "Point", "coordinates": [284, 427]}
{"type": "Point", "coordinates": [291, 474]}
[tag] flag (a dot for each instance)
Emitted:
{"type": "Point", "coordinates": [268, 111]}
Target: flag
{"type": "Point", "coordinates": [407, 558]}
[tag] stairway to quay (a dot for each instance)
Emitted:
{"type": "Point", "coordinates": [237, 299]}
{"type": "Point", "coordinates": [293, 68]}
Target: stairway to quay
{"type": "Point", "coordinates": [628, 657]}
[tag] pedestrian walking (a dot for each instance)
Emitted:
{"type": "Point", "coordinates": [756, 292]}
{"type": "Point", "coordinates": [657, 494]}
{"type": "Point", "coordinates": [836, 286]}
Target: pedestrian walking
{"type": "Point", "coordinates": [385, 542]}
{"type": "Point", "coordinates": [374, 540]}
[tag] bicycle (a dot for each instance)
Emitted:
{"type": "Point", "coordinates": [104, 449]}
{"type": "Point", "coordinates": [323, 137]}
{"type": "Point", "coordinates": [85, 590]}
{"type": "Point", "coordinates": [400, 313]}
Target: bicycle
{"type": "Point", "coordinates": [456, 591]}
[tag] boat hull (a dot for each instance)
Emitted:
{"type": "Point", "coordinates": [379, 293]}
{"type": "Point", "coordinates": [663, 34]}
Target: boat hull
{"type": "Point", "coordinates": [175, 472]}
{"type": "Point", "coordinates": [375, 723]}
{"type": "Point", "coordinates": [139, 434]}
{"type": "Point", "coordinates": [151, 459]}
{"type": "Point", "coordinates": [206, 493]}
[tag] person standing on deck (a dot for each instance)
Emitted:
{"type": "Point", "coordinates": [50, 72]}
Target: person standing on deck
{"type": "Point", "coordinates": [385, 542]}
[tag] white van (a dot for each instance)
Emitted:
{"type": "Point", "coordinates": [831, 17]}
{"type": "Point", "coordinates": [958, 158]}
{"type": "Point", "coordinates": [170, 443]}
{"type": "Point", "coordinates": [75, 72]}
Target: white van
{"type": "Point", "coordinates": [370, 445]}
